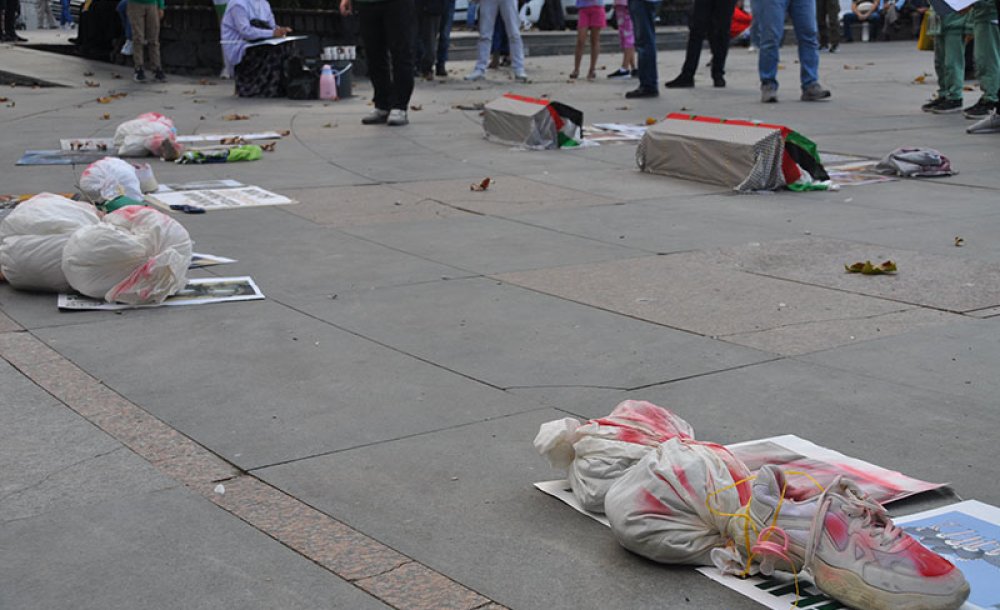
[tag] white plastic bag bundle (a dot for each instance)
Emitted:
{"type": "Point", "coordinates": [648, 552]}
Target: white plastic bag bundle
{"type": "Point", "coordinates": [32, 238]}
{"type": "Point", "coordinates": [596, 453]}
{"type": "Point", "coordinates": [147, 181]}
{"type": "Point", "coordinates": [672, 506]}
{"type": "Point", "coordinates": [144, 135]}
{"type": "Point", "coordinates": [136, 255]}
{"type": "Point", "coordinates": [109, 178]}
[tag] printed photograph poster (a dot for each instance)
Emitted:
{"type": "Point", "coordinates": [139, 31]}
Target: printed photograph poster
{"type": "Point", "coordinates": [796, 454]}
{"type": "Point", "coordinates": [219, 199]}
{"type": "Point", "coordinates": [107, 145]}
{"type": "Point", "coordinates": [199, 291]}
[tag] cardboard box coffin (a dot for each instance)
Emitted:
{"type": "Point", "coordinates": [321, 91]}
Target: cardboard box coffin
{"type": "Point", "coordinates": [531, 122]}
{"type": "Point", "coordinates": [737, 156]}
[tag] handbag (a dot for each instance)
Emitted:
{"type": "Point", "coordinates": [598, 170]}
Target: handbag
{"type": "Point", "coordinates": [925, 42]}
{"type": "Point", "coordinates": [301, 83]}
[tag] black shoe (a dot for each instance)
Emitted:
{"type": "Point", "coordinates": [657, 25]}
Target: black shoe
{"type": "Point", "coordinates": [641, 92]}
{"type": "Point", "coordinates": [718, 81]}
{"type": "Point", "coordinates": [681, 82]}
{"type": "Point", "coordinates": [834, 47]}
{"type": "Point", "coordinates": [823, 47]}
{"type": "Point", "coordinates": [635, 74]}
{"type": "Point", "coordinates": [160, 76]}
{"type": "Point", "coordinates": [931, 105]}
{"type": "Point", "coordinates": [620, 73]}
{"type": "Point", "coordinates": [947, 107]}
{"type": "Point", "coordinates": [16, 38]}
{"type": "Point", "coordinates": [980, 110]}
{"type": "Point", "coordinates": [440, 71]}
{"type": "Point", "coordinates": [140, 75]}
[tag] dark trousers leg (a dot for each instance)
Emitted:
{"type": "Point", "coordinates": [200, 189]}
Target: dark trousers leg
{"type": "Point", "coordinates": [701, 19]}
{"type": "Point", "coordinates": [398, 31]}
{"type": "Point", "coordinates": [444, 36]}
{"type": "Point", "coordinates": [373, 35]}
{"type": "Point", "coordinates": [428, 33]}
{"type": "Point", "coordinates": [718, 35]}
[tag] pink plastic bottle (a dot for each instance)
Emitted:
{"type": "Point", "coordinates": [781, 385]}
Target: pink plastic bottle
{"type": "Point", "coordinates": [327, 84]}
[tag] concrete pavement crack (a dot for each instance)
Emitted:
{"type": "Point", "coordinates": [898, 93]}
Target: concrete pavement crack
{"type": "Point", "coordinates": [58, 471]}
{"type": "Point", "coordinates": [807, 322]}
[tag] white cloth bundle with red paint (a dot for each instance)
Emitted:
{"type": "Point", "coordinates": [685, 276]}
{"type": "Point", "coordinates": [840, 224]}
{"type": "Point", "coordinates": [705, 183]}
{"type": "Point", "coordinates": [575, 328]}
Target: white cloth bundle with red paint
{"type": "Point", "coordinates": [597, 452]}
{"type": "Point", "coordinates": [674, 505]}
{"type": "Point", "coordinates": [144, 135]}
{"type": "Point", "coordinates": [136, 255]}
{"type": "Point", "coordinates": [32, 238]}
{"type": "Point", "coordinates": [109, 178]}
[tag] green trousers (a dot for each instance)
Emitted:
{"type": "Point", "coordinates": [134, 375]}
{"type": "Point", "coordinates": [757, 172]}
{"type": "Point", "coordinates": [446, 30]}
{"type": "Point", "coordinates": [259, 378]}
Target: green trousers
{"type": "Point", "coordinates": [986, 47]}
{"type": "Point", "coordinates": [949, 56]}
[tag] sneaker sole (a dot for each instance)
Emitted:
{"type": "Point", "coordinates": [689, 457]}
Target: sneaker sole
{"type": "Point", "coordinates": [848, 588]}
{"type": "Point", "coordinates": [945, 111]}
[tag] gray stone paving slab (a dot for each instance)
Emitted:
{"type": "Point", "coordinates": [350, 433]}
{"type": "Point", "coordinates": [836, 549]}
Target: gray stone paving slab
{"type": "Point", "coordinates": [959, 359]}
{"type": "Point", "coordinates": [170, 549]}
{"type": "Point", "coordinates": [626, 184]}
{"type": "Point", "coordinates": [932, 435]}
{"type": "Point", "coordinates": [294, 256]}
{"type": "Point", "coordinates": [51, 459]}
{"type": "Point", "coordinates": [488, 245]}
{"type": "Point", "coordinates": [505, 196]}
{"type": "Point", "coordinates": [446, 505]}
{"type": "Point", "coordinates": [360, 205]}
{"type": "Point", "coordinates": [36, 309]}
{"type": "Point", "coordinates": [511, 337]}
{"type": "Point", "coordinates": [929, 280]}
{"type": "Point", "coordinates": [653, 226]}
{"type": "Point", "coordinates": [214, 375]}
{"type": "Point", "coordinates": [685, 291]}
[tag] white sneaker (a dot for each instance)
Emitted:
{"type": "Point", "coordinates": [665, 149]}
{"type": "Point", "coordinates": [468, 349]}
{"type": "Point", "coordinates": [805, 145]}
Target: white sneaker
{"type": "Point", "coordinates": [376, 117]}
{"type": "Point", "coordinates": [475, 75]}
{"type": "Point", "coordinates": [521, 77]}
{"type": "Point", "coordinates": [127, 48]}
{"type": "Point", "coordinates": [397, 117]}
{"type": "Point", "coordinates": [849, 545]}
{"type": "Point", "coordinates": [990, 124]}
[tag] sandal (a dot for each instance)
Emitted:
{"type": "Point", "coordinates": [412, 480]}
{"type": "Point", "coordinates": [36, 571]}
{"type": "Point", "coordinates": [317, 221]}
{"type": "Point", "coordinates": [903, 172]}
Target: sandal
{"type": "Point", "coordinates": [591, 76]}
{"type": "Point", "coordinates": [574, 75]}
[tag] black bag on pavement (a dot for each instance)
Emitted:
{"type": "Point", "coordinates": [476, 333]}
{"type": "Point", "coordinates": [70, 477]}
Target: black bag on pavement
{"type": "Point", "coordinates": [301, 83]}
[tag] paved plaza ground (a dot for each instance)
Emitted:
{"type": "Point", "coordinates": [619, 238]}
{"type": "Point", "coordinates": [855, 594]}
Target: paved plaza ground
{"type": "Point", "coordinates": [371, 420]}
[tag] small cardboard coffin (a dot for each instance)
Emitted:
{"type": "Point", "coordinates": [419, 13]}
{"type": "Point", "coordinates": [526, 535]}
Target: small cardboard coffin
{"type": "Point", "coordinates": [532, 122]}
{"type": "Point", "coordinates": [738, 156]}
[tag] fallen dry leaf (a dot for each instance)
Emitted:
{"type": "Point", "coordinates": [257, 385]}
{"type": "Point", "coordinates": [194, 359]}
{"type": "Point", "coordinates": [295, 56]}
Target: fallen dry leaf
{"type": "Point", "coordinates": [475, 106]}
{"type": "Point", "coordinates": [207, 82]}
{"type": "Point", "coordinates": [959, 242]}
{"type": "Point", "coordinates": [482, 186]}
{"type": "Point", "coordinates": [115, 75]}
{"type": "Point", "coordinates": [650, 120]}
{"type": "Point", "coordinates": [920, 79]}
{"type": "Point", "coordinates": [110, 98]}
{"type": "Point", "coordinates": [105, 117]}
{"type": "Point", "coordinates": [235, 140]}
{"type": "Point", "coordinates": [867, 268]}
{"type": "Point", "coordinates": [236, 117]}
{"type": "Point", "coordinates": [416, 107]}
{"type": "Point", "coordinates": [12, 104]}
{"type": "Point", "coordinates": [622, 108]}
{"type": "Point", "coordinates": [88, 73]}
{"type": "Point", "coordinates": [269, 147]}
{"type": "Point", "coordinates": [284, 132]}
{"type": "Point", "coordinates": [91, 83]}
{"type": "Point", "coordinates": [328, 125]}
{"type": "Point", "coordinates": [4, 99]}
{"type": "Point", "coordinates": [190, 92]}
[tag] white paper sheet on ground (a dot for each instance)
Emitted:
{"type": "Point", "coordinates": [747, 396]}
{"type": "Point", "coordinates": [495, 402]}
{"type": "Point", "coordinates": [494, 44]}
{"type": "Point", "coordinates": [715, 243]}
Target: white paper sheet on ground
{"type": "Point", "coordinates": [198, 291]}
{"type": "Point", "coordinates": [207, 260]}
{"type": "Point", "coordinates": [970, 518]}
{"type": "Point", "coordinates": [632, 132]}
{"type": "Point", "coordinates": [203, 185]}
{"type": "Point", "coordinates": [795, 453]}
{"type": "Point", "coordinates": [275, 41]}
{"type": "Point", "coordinates": [219, 199]}
{"type": "Point", "coordinates": [108, 144]}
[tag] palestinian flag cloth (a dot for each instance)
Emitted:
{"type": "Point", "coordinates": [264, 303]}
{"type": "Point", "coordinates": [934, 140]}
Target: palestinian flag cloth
{"type": "Point", "coordinates": [800, 163]}
{"type": "Point", "coordinates": [533, 122]}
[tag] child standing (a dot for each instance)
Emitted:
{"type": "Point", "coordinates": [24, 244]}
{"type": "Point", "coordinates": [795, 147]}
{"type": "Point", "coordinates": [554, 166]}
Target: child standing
{"type": "Point", "coordinates": [626, 38]}
{"type": "Point", "coordinates": [591, 18]}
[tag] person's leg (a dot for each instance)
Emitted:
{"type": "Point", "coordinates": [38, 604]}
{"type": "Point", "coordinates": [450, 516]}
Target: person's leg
{"type": "Point", "coordinates": [370, 16]}
{"type": "Point", "coordinates": [153, 36]}
{"type": "Point", "coordinates": [803, 14]}
{"type": "Point", "coordinates": [833, 23]}
{"type": "Point", "coordinates": [512, 21]}
{"type": "Point", "coordinates": [397, 16]}
{"type": "Point", "coordinates": [123, 14]}
{"type": "Point", "coordinates": [487, 21]}
{"type": "Point", "coordinates": [643, 13]}
{"type": "Point", "coordinates": [595, 50]}
{"type": "Point", "coordinates": [849, 20]}
{"type": "Point", "coordinates": [698, 26]}
{"type": "Point", "coordinates": [444, 36]}
{"type": "Point", "coordinates": [718, 36]}
{"type": "Point", "coordinates": [431, 44]}
{"type": "Point", "coordinates": [953, 36]}
{"type": "Point", "coordinates": [987, 49]}
{"type": "Point", "coordinates": [581, 36]}
{"type": "Point", "coordinates": [65, 17]}
{"type": "Point", "coordinates": [769, 15]}
{"type": "Point", "coordinates": [137, 16]}
{"type": "Point", "coordinates": [423, 59]}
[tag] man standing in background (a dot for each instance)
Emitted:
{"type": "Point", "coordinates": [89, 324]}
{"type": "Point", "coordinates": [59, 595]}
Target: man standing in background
{"type": "Point", "coordinates": [145, 15]}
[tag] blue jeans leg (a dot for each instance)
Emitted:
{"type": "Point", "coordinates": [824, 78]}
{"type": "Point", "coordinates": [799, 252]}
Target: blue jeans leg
{"type": "Point", "coordinates": [123, 14]}
{"type": "Point", "coordinates": [803, 13]}
{"type": "Point", "coordinates": [770, 18]}
{"type": "Point", "coordinates": [444, 35]}
{"type": "Point", "coordinates": [643, 19]}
